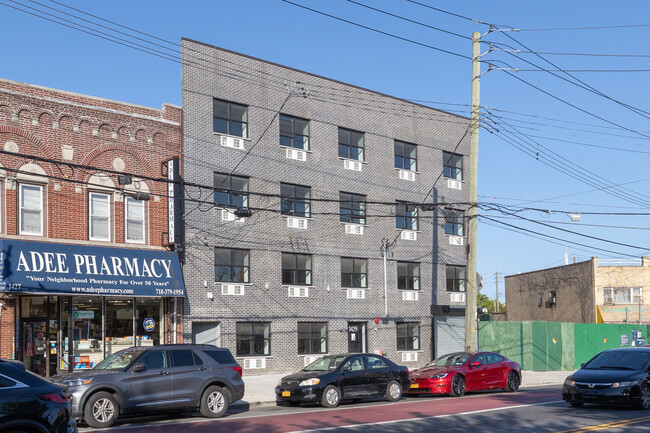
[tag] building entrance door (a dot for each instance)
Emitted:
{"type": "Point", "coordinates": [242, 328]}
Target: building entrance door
{"type": "Point", "coordinates": [356, 337]}
{"type": "Point", "coordinates": [35, 350]}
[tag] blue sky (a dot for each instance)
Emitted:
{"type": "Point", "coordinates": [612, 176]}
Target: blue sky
{"type": "Point", "coordinates": [536, 143]}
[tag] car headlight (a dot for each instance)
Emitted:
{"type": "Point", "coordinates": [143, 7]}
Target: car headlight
{"type": "Point", "coordinates": [439, 376]}
{"type": "Point", "coordinates": [310, 382]}
{"type": "Point", "coordinates": [626, 383]}
{"type": "Point", "coordinates": [569, 382]}
{"type": "Point", "coordinates": [76, 382]}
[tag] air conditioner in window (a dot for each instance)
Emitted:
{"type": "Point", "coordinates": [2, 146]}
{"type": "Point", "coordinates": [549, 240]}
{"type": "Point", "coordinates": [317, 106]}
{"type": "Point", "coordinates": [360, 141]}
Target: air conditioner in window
{"type": "Point", "coordinates": [457, 297]}
{"type": "Point", "coordinates": [552, 300]}
{"type": "Point", "coordinates": [410, 296]}
{"type": "Point", "coordinates": [298, 155]}
{"type": "Point", "coordinates": [407, 175]}
{"type": "Point", "coordinates": [356, 294]}
{"type": "Point", "coordinates": [297, 223]}
{"type": "Point", "coordinates": [251, 363]}
{"type": "Point", "coordinates": [298, 292]}
{"type": "Point", "coordinates": [409, 235]}
{"type": "Point", "coordinates": [409, 356]}
{"type": "Point", "coordinates": [455, 240]}
{"type": "Point", "coordinates": [232, 289]}
{"type": "Point", "coordinates": [352, 165]}
{"type": "Point", "coordinates": [228, 215]}
{"type": "Point", "coordinates": [454, 184]}
{"type": "Point", "coordinates": [353, 229]}
{"type": "Point", "coordinates": [310, 359]}
{"type": "Point", "coordinates": [609, 300]}
{"type": "Point", "coordinates": [232, 142]}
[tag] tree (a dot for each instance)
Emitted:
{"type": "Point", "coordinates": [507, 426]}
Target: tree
{"type": "Point", "coordinates": [483, 301]}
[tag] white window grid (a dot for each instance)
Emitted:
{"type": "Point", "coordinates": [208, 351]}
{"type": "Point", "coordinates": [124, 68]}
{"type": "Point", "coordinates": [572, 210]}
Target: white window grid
{"type": "Point", "coordinates": [30, 207]}
{"type": "Point", "coordinates": [95, 217]}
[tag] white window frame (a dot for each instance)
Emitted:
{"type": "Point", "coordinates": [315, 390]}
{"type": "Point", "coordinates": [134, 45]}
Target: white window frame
{"type": "Point", "coordinates": [90, 216]}
{"type": "Point", "coordinates": [127, 200]}
{"type": "Point", "coordinates": [21, 208]}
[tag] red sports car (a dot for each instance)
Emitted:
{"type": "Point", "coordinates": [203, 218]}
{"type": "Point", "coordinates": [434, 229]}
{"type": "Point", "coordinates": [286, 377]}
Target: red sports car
{"type": "Point", "coordinates": [458, 372]}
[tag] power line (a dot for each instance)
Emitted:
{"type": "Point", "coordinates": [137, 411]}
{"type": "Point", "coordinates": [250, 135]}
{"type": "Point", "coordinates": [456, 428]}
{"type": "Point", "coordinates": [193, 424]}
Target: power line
{"type": "Point", "coordinates": [585, 28]}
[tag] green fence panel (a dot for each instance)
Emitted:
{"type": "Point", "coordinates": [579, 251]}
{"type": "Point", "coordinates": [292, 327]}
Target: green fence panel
{"type": "Point", "coordinates": [568, 346]}
{"type": "Point", "coordinates": [540, 346]}
{"type": "Point", "coordinates": [526, 335]}
{"type": "Point", "coordinates": [553, 346]}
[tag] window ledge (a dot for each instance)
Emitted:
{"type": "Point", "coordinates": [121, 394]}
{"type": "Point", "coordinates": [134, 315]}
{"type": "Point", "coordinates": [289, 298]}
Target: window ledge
{"type": "Point", "coordinates": [411, 290]}
{"type": "Point", "coordinates": [308, 286]}
{"type": "Point", "coordinates": [233, 136]}
{"type": "Point", "coordinates": [410, 351]}
{"type": "Point", "coordinates": [302, 217]}
{"type": "Point", "coordinates": [295, 148]}
{"type": "Point", "coordinates": [355, 160]}
{"type": "Point", "coordinates": [410, 171]}
{"type": "Point", "coordinates": [451, 178]}
{"type": "Point", "coordinates": [355, 288]}
{"type": "Point", "coordinates": [355, 224]}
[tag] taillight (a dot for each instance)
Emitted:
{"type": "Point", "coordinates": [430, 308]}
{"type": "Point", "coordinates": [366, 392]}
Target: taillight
{"type": "Point", "coordinates": [239, 370]}
{"type": "Point", "coordinates": [407, 371]}
{"type": "Point", "coordinates": [56, 398]}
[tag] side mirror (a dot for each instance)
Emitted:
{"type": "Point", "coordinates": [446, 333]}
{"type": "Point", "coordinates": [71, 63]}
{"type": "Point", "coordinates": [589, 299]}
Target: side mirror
{"type": "Point", "coordinates": [346, 369]}
{"type": "Point", "coordinates": [582, 365]}
{"type": "Point", "coordinates": [138, 367]}
{"type": "Point", "coordinates": [475, 364]}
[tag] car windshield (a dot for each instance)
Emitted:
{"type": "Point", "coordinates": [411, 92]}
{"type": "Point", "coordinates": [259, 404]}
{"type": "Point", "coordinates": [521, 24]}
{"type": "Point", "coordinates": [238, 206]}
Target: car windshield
{"type": "Point", "coordinates": [118, 360]}
{"type": "Point", "coordinates": [452, 359]}
{"type": "Point", "coordinates": [618, 360]}
{"type": "Point", "coordinates": [325, 364]}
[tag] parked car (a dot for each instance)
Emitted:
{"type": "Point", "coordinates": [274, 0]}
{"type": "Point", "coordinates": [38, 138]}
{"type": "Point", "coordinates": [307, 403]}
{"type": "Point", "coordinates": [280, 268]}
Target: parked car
{"type": "Point", "coordinates": [29, 403]}
{"type": "Point", "coordinates": [157, 378]}
{"type": "Point", "coordinates": [458, 372]}
{"type": "Point", "coordinates": [333, 378]}
{"type": "Point", "coordinates": [615, 376]}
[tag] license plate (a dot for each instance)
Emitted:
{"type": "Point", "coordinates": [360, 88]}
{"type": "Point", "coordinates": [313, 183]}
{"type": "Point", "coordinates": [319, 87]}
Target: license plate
{"type": "Point", "coordinates": [415, 385]}
{"type": "Point", "coordinates": [286, 394]}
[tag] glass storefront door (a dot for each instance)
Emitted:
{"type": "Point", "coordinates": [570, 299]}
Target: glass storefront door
{"type": "Point", "coordinates": [87, 339]}
{"type": "Point", "coordinates": [35, 354]}
{"type": "Point", "coordinates": [119, 324]}
{"type": "Point", "coordinates": [148, 321]}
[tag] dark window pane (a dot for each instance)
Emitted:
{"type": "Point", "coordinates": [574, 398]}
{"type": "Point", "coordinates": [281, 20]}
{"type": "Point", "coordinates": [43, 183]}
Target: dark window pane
{"type": "Point", "coordinates": [182, 358]}
{"type": "Point", "coordinates": [220, 109]}
{"type": "Point", "coordinates": [220, 125]}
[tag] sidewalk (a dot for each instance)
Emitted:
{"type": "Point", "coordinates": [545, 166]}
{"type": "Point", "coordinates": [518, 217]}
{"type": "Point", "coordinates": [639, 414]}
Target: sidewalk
{"type": "Point", "coordinates": [260, 390]}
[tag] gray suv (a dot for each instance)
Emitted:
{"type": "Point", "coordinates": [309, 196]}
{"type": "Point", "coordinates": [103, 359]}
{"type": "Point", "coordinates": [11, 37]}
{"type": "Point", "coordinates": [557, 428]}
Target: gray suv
{"type": "Point", "coordinates": [158, 378]}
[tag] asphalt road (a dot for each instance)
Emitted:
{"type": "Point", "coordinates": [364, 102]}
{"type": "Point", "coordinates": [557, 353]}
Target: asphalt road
{"type": "Point", "coordinates": [539, 410]}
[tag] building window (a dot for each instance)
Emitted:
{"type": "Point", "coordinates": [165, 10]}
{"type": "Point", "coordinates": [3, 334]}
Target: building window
{"type": "Point", "coordinates": [351, 144]}
{"type": "Point", "coordinates": [296, 200]}
{"type": "Point", "coordinates": [312, 337]}
{"type": "Point", "coordinates": [31, 209]}
{"type": "Point", "coordinates": [296, 269]}
{"type": "Point", "coordinates": [408, 336]}
{"type": "Point", "coordinates": [454, 222]}
{"type": "Point", "coordinates": [230, 118]}
{"type": "Point", "coordinates": [294, 132]}
{"type": "Point", "coordinates": [405, 156]}
{"type": "Point", "coordinates": [456, 278]}
{"type": "Point", "coordinates": [452, 165]}
{"type": "Point", "coordinates": [100, 216]}
{"type": "Point", "coordinates": [622, 295]}
{"type": "Point", "coordinates": [253, 338]}
{"type": "Point", "coordinates": [231, 265]}
{"type": "Point", "coordinates": [230, 191]}
{"type": "Point", "coordinates": [352, 208]}
{"type": "Point", "coordinates": [540, 299]}
{"type": "Point", "coordinates": [408, 276]}
{"type": "Point", "coordinates": [135, 222]}
{"type": "Point", "coordinates": [406, 216]}
{"type": "Point", "coordinates": [354, 272]}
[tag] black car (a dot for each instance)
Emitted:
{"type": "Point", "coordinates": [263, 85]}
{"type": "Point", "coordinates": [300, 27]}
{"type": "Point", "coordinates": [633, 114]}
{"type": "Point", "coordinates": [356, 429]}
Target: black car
{"type": "Point", "coordinates": [29, 403]}
{"type": "Point", "coordinates": [155, 378]}
{"type": "Point", "coordinates": [615, 376]}
{"type": "Point", "coordinates": [333, 378]}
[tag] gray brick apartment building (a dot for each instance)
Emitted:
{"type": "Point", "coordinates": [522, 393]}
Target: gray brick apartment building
{"type": "Point", "coordinates": [330, 173]}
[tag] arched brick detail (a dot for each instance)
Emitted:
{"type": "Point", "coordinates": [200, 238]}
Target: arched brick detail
{"type": "Point", "coordinates": [17, 130]}
{"type": "Point", "coordinates": [43, 114]}
{"type": "Point", "coordinates": [159, 138]}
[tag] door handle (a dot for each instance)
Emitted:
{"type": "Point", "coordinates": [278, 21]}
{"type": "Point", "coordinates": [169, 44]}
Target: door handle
{"type": "Point", "coordinates": [202, 369]}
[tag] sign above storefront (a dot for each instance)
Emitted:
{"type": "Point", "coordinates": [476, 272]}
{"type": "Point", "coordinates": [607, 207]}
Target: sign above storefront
{"type": "Point", "coordinates": [632, 313]}
{"type": "Point", "coordinates": [39, 267]}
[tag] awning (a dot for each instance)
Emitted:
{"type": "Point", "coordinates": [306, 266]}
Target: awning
{"type": "Point", "coordinates": [50, 268]}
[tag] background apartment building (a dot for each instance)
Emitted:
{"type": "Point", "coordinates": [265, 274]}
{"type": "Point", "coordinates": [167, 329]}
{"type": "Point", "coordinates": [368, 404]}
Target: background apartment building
{"type": "Point", "coordinates": [331, 173]}
{"type": "Point", "coordinates": [593, 291]}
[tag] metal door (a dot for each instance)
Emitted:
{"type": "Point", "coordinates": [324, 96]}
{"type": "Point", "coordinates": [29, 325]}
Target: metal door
{"type": "Point", "coordinates": [449, 334]}
{"type": "Point", "coordinates": [206, 333]}
{"type": "Point", "coordinates": [356, 337]}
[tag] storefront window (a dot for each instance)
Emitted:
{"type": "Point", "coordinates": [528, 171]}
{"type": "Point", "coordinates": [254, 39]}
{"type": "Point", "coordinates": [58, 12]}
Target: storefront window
{"type": "Point", "coordinates": [148, 321]}
{"type": "Point", "coordinates": [119, 324]}
{"type": "Point", "coordinates": [87, 332]}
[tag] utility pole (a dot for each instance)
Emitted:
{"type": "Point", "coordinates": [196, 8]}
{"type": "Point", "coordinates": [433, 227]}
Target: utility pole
{"type": "Point", "coordinates": [472, 289]}
{"type": "Point", "coordinates": [496, 304]}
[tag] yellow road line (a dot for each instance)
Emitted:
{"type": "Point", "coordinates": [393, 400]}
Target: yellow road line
{"type": "Point", "coordinates": [615, 424]}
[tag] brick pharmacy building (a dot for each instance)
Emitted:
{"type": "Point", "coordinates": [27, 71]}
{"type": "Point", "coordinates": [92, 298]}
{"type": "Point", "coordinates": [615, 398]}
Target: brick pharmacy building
{"type": "Point", "coordinates": [86, 261]}
{"type": "Point", "coordinates": [297, 182]}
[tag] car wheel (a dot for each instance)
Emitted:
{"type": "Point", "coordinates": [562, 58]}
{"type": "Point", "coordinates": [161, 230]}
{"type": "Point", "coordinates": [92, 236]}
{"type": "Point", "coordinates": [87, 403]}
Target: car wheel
{"type": "Point", "coordinates": [331, 396]}
{"type": "Point", "coordinates": [101, 410]}
{"type": "Point", "coordinates": [512, 382]}
{"type": "Point", "coordinates": [457, 386]}
{"type": "Point", "coordinates": [393, 391]}
{"type": "Point", "coordinates": [214, 402]}
{"type": "Point", "coordinates": [576, 404]}
{"type": "Point", "coordinates": [644, 397]}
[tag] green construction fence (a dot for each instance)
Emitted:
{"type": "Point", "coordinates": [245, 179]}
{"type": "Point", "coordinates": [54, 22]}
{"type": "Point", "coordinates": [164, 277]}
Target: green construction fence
{"type": "Point", "coordinates": [550, 346]}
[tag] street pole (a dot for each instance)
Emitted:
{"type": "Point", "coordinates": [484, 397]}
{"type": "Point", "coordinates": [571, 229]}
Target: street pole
{"type": "Point", "coordinates": [470, 304]}
{"type": "Point", "coordinates": [496, 304]}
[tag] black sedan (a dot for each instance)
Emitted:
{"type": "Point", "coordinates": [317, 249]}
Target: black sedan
{"type": "Point", "coordinates": [333, 378]}
{"type": "Point", "coordinates": [29, 403]}
{"type": "Point", "coordinates": [615, 376]}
